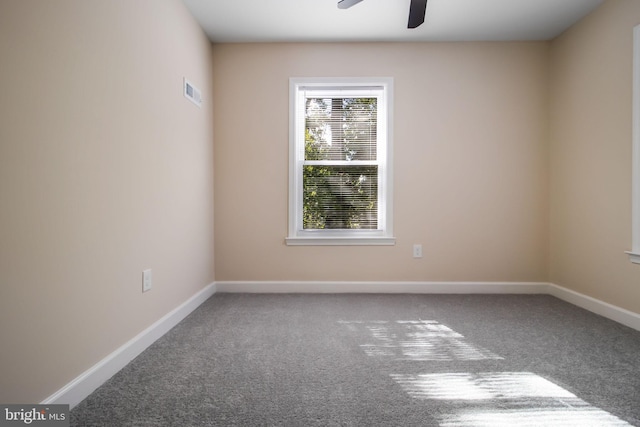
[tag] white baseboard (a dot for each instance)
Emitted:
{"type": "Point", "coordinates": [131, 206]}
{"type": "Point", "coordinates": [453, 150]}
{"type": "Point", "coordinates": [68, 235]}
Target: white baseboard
{"type": "Point", "coordinates": [82, 386]}
{"type": "Point", "coordinates": [384, 287]}
{"type": "Point", "coordinates": [610, 311]}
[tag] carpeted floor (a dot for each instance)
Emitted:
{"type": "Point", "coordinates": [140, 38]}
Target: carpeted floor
{"type": "Point", "coordinates": [379, 360]}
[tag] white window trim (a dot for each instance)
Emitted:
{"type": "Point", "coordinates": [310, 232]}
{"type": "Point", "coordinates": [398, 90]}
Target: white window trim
{"type": "Point", "coordinates": [634, 253]}
{"type": "Point", "coordinates": [296, 235]}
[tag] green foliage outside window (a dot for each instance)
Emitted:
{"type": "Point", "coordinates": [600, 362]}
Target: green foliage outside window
{"type": "Point", "coordinates": [342, 195]}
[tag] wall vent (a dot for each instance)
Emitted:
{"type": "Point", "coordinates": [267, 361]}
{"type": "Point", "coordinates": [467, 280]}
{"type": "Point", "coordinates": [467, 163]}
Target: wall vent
{"type": "Point", "coordinates": [192, 93]}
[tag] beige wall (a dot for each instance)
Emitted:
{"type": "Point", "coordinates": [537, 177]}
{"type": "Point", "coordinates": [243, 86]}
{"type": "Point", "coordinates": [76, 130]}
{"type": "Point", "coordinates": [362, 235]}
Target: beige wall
{"type": "Point", "coordinates": [590, 129]}
{"type": "Point", "coordinates": [470, 161]}
{"type": "Point", "coordinates": [105, 170]}
{"type": "Point", "coordinates": [506, 155]}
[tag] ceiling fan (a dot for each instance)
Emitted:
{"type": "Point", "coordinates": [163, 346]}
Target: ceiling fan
{"type": "Point", "coordinates": [417, 10]}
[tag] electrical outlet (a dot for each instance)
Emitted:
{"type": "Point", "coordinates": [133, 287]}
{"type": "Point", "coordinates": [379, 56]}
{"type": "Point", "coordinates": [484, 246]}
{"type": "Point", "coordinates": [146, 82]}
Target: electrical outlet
{"type": "Point", "coordinates": [146, 280]}
{"type": "Point", "coordinates": [417, 251]}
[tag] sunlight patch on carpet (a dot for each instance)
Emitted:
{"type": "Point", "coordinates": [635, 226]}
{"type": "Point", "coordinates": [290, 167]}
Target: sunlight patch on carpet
{"type": "Point", "coordinates": [480, 386]}
{"type": "Point", "coordinates": [496, 399]}
{"type": "Point", "coordinates": [416, 340]}
{"type": "Point", "coordinates": [555, 417]}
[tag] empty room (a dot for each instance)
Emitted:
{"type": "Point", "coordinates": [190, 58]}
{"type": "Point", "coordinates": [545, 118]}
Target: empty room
{"type": "Point", "coordinates": [320, 213]}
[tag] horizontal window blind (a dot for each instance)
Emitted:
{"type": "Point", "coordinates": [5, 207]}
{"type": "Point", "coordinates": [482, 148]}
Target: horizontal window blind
{"type": "Point", "coordinates": [340, 166]}
{"type": "Point", "coordinates": [340, 197]}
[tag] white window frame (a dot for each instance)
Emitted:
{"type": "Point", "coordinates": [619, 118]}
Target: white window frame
{"type": "Point", "coordinates": [384, 234]}
{"type": "Point", "coordinates": [634, 253]}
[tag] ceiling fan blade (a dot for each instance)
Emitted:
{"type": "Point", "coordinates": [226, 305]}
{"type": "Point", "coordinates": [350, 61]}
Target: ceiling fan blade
{"type": "Point", "coordinates": [417, 10]}
{"type": "Point", "coordinates": [346, 4]}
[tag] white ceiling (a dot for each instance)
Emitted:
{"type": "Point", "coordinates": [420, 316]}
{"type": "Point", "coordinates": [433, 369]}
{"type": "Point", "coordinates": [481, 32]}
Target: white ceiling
{"type": "Point", "coordinates": [386, 20]}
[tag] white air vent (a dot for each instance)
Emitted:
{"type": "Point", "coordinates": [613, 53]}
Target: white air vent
{"type": "Point", "coordinates": [192, 93]}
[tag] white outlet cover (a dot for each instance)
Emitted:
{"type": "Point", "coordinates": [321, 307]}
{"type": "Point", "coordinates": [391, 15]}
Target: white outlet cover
{"type": "Point", "coordinates": [417, 251]}
{"type": "Point", "coordinates": [146, 280]}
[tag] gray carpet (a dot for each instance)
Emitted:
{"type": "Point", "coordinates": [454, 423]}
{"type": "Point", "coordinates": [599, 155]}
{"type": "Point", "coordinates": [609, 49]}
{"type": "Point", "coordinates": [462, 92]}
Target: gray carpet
{"type": "Point", "coordinates": [379, 360]}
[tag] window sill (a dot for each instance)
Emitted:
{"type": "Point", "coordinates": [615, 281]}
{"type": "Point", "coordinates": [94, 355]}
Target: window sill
{"type": "Point", "coordinates": [633, 257]}
{"type": "Point", "coordinates": [340, 241]}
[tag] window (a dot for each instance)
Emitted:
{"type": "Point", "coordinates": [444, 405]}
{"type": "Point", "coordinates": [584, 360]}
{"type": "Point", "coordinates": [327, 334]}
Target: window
{"type": "Point", "coordinates": [634, 254]}
{"type": "Point", "coordinates": [340, 189]}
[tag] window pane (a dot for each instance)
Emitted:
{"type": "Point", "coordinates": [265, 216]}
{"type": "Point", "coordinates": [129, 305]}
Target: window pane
{"type": "Point", "coordinates": [340, 197]}
{"type": "Point", "coordinates": [341, 128]}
